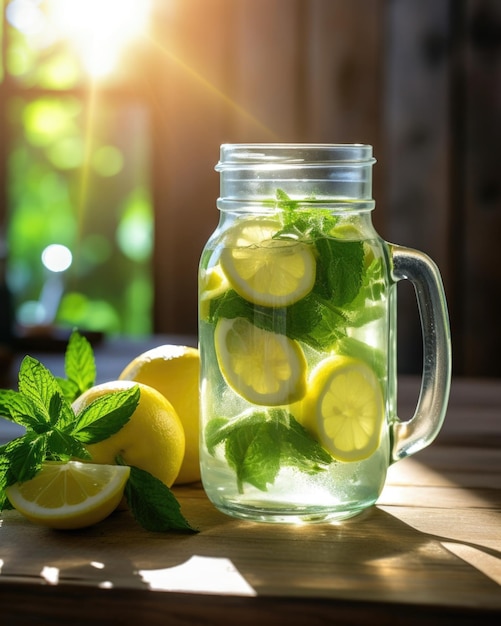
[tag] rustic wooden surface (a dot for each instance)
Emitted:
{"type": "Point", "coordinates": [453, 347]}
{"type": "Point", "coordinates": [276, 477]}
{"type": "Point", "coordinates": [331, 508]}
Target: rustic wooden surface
{"type": "Point", "coordinates": [430, 549]}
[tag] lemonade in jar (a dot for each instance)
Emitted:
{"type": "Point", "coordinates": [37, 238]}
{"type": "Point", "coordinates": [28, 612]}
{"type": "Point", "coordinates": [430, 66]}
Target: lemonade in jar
{"type": "Point", "coordinates": [297, 309]}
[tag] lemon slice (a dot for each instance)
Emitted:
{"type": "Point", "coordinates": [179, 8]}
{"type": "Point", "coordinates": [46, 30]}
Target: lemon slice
{"type": "Point", "coordinates": [344, 409]}
{"type": "Point", "coordinates": [70, 495]}
{"type": "Point", "coordinates": [263, 367]}
{"type": "Point", "coordinates": [266, 271]}
{"type": "Point", "coordinates": [346, 231]}
{"type": "Point", "coordinates": [213, 283]}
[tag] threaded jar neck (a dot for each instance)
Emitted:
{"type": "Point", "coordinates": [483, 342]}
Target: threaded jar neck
{"type": "Point", "coordinates": [337, 174]}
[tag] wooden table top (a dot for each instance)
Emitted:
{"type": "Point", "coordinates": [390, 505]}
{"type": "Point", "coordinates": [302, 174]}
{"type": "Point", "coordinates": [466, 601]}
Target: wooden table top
{"type": "Point", "coordinates": [430, 549]}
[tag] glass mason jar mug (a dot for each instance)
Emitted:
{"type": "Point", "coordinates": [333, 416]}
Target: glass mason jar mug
{"type": "Point", "coordinates": [297, 335]}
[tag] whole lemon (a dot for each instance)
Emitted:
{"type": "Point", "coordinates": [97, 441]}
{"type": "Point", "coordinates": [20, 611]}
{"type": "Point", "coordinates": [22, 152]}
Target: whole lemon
{"type": "Point", "coordinates": [153, 438]}
{"type": "Point", "coordinates": [174, 372]}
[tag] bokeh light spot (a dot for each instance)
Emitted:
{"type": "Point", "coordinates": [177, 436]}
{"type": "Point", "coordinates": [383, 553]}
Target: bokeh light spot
{"type": "Point", "coordinates": [67, 153]}
{"type": "Point", "coordinates": [57, 258]}
{"type": "Point", "coordinates": [76, 309]}
{"type": "Point", "coordinates": [107, 161]}
{"type": "Point", "coordinates": [46, 119]}
{"type": "Point", "coordinates": [135, 231]}
{"type": "Point", "coordinates": [31, 313]}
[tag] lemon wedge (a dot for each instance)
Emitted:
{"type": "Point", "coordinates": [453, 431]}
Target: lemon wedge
{"type": "Point", "coordinates": [70, 495]}
{"type": "Point", "coordinates": [263, 367]}
{"type": "Point", "coordinates": [267, 271]}
{"type": "Point", "coordinates": [344, 408]}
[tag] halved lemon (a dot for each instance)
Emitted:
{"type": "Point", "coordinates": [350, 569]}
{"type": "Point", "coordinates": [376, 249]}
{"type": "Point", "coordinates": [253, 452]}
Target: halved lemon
{"type": "Point", "coordinates": [344, 408]}
{"type": "Point", "coordinates": [267, 271]}
{"type": "Point", "coordinates": [263, 367]}
{"type": "Point", "coordinates": [70, 495]}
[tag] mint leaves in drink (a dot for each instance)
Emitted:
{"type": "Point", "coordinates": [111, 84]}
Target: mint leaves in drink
{"type": "Point", "coordinates": [53, 432]}
{"type": "Point", "coordinates": [259, 444]}
{"type": "Point", "coordinates": [346, 295]}
{"type": "Point", "coordinates": [342, 283]}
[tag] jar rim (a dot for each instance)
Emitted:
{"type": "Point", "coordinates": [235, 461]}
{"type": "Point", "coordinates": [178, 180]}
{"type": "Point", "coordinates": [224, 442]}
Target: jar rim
{"type": "Point", "coordinates": [242, 155]}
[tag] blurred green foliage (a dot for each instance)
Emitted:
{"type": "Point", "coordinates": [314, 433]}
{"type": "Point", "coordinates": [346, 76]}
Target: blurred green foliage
{"type": "Point", "coordinates": [78, 175]}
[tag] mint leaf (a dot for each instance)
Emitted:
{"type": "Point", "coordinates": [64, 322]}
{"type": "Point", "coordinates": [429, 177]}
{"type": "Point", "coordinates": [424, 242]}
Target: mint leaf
{"type": "Point", "coordinates": [4, 479]}
{"type": "Point", "coordinates": [253, 451]}
{"type": "Point", "coordinates": [371, 291]}
{"type": "Point", "coordinates": [316, 322]}
{"type": "Point", "coordinates": [299, 448]}
{"type": "Point", "coordinates": [287, 205]}
{"type": "Point", "coordinates": [153, 504]}
{"type": "Point", "coordinates": [258, 444]}
{"type": "Point", "coordinates": [216, 431]}
{"type": "Point", "coordinates": [19, 409]}
{"type": "Point", "coordinates": [340, 267]}
{"type": "Point", "coordinates": [79, 366]}
{"type": "Point", "coordinates": [69, 388]}
{"type": "Point", "coordinates": [305, 223]}
{"type": "Point", "coordinates": [38, 384]}
{"type": "Point", "coordinates": [62, 446]}
{"type": "Point", "coordinates": [31, 385]}
{"type": "Point", "coordinates": [106, 415]}
{"type": "Point", "coordinates": [24, 456]}
{"type": "Point", "coordinates": [230, 305]}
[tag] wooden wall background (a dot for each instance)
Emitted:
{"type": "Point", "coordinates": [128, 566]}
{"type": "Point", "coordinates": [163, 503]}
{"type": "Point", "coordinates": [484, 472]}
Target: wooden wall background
{"type": "Point", "coordinates": [418, 79]}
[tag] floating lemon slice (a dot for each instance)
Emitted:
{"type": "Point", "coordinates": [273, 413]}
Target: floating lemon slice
{"type": "Point", "coordinates": [346, 231]}
{"type": "Point", "coordinates": [213, 283]}
{"type": "Point", "coordinates": [344, 408]}
{"type": "Point", "coordinates": [70, 495]}
{"type": "Point", "coordinates": [263, 367]}
{"type": "Point", "coordinates": [267, 271]}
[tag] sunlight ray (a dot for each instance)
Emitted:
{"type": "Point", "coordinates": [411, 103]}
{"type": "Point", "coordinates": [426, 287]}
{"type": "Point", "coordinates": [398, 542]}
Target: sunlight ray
{"type": "Point", "coordinates": [90, 108]}
{"type": "Point", "coordinates": [207, 84]}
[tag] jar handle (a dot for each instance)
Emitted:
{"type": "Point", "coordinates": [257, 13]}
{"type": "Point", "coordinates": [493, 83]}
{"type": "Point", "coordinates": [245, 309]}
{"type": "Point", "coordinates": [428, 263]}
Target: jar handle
{"type": "Point", "coordinates": [411, 436]}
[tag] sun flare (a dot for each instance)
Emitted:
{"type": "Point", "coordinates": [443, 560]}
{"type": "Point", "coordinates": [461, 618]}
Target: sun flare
{"type": "Point", "coordinates": [98, 30]}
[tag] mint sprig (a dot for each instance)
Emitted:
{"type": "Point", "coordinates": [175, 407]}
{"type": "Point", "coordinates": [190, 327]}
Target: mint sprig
{"type": "Point", "coordinates": [53, 432]}
{"type": "Point", "coordinates": [258, 444]}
